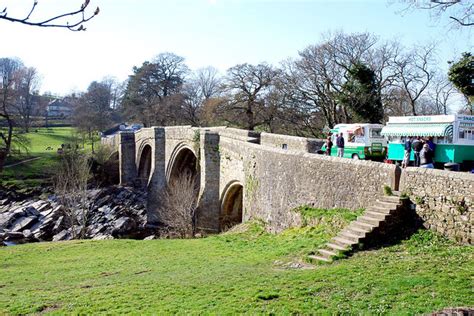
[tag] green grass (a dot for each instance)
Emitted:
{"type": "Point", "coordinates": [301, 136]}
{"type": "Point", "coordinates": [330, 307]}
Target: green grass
{"type": "Point", "coordinates": [38, 171]}
{"type": "Point", "coordinates": [236, 272]}
{"type": "Point", "coordinates": [313, 216]}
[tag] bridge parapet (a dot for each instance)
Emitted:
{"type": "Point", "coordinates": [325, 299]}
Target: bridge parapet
{"type": "Point", "coordinates": [240, 134]}
{"type": "Point", "coordinates": [294, 143]}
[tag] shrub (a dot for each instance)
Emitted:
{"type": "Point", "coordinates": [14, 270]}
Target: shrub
{"type": "Point", "coordinates": [178, 204]}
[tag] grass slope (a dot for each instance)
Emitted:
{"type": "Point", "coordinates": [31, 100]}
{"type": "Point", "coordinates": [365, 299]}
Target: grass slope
{"type": "Point", "coordinates": [237, 272]}
{"type": "Point", "coordinates": [35, 172]}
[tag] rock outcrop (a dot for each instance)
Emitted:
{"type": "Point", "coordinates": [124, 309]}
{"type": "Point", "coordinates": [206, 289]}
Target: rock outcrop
{"type": "Point", "coordinates": [113, 212]}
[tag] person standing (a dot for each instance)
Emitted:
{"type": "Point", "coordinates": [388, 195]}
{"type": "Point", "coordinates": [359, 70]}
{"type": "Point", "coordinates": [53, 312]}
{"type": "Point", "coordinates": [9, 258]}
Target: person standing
{"type": "Point", "coordinates": [328, 146]}
{"type": "Point", "coordinates": [431, 144]}
{"type": "Point", "coordinates": [406, 158]}
{"type": "Point", "coordinates": [417, 146]}
{"type": "Point", "coordinates": [340, 145]}
{"type": "Point", "coordinates": [426, 157]}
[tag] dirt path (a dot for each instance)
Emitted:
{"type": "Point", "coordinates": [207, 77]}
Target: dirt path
{"type": "Point", "coordinates": [22, 162]}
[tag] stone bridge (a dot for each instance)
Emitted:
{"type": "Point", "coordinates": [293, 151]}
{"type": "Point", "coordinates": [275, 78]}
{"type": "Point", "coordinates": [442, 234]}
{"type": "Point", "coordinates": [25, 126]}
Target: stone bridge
{"type": "Point", "coordinates": [244, 174]}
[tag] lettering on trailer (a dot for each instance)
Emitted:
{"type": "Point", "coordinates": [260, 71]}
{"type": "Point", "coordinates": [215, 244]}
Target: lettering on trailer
{"type": "Point", "coordinates": [419, 119]}
{"type": "Point", "coordinates": [422, 119]}
{"type": "Point", "coordinates": [466, 118]}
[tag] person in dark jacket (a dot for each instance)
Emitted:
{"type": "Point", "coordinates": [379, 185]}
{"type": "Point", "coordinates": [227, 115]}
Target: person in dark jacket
{"type": "Point", "coordinates": [431, 144]}
{"type": "Point", "coordinates": [406, 158]}
{"type": "Point", "coordinates": [328, 146]}
{"type": "Point", "coordinates": [340, 145]}
{"type": "Point", "coordinates": [417, 146]}
{"type": "Point", "coordinates": [426, 157]}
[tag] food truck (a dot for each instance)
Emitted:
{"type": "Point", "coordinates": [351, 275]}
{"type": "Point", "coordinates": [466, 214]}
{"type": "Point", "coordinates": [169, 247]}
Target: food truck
{"type": "Point", "coordinates": [361, 141]}
{"type": "Point", "coordinates": [452, 134]}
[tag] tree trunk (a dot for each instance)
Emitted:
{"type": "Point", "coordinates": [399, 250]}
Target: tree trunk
{"type": "Point", "coordinates": [250, 118]}
{"type": "Point", "coordinates": [413, 110]}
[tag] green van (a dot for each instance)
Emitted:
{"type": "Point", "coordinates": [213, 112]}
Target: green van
{"type": "Point", "coordinates": [361, 141]}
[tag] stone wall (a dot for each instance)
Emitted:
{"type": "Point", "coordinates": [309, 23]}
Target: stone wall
{"type": "Point", "coordinates": [444, 200]}
{"type": "Point", "coordinates": [276, 181]}
{"type": "Point", "coordinates": [286, 142]}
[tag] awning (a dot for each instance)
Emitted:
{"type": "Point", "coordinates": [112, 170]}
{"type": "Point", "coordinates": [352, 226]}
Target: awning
{"type": "Point", "coordinates": [445, 129]}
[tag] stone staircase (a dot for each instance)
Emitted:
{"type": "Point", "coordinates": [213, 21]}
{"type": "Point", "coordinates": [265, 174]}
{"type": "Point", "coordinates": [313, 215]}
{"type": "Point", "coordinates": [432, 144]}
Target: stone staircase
{"type": "Point", "coordinates": [358, 230]}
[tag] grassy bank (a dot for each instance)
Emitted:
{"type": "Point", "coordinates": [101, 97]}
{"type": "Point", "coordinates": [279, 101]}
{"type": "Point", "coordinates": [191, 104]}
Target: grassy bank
{"type": "Point", "coordinates": [44, 143]}
{"type": "Point", "coordinates": [247, 270]}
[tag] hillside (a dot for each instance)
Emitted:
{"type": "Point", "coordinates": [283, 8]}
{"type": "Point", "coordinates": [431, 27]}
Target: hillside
{"type": "Point", "coordinates": [246, 270]}
{"type": "Point", "coordinates": [40, 159]}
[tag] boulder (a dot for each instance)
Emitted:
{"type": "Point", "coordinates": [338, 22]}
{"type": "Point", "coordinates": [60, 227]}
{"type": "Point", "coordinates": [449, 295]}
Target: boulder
{"type": "Point", "coordinates": [23, 223]}
{"type": "Point", "coordinates": [123, 226]}
{"type": "Point", "coordinates": [14, 236]}
{"type": "Point", "coordinates": [59, 224]}
{"type": "Point", "coordinates": [102, 237]}
{"type": "Point", "coordinates": [63, 235]}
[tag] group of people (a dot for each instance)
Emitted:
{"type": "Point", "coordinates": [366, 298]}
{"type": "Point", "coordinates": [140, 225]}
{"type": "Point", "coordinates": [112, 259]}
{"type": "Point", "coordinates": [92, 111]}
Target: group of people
{"type": "Point", "coordinates": [423, 152]}
{"type": "Point", "coordinates": [339, 144]}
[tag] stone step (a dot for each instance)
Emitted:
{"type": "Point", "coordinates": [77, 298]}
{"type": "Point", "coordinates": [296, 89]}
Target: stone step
{"type": "Point", "coordinates": [389, 205]}
{"type": "Point", "coordinates": [336, 247]}
{"type": "Point", "coordinates": [349, 236]}
{"type": "Point", "coordinates": [377, 215]}
{"type": "Point", "coordinates": [319, 258]}
{"type": "Point", "coordinates": [379, 209]}
{"type": "Point", "coordinates": [361, 232]}
{"type": "Point", "coordinates": [344, 242]}
{"type": "Point", "coordinates": [390, 199]}
{"type": "Point", "coordinates": [363, 225]}
{"type": "Point", "coordinates": [369, 220]}
{"type": "Point", "coordinates": [328, 253]}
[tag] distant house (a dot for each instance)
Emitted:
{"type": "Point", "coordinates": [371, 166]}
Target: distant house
{"type": "Point", "coordinates": [60, 108]}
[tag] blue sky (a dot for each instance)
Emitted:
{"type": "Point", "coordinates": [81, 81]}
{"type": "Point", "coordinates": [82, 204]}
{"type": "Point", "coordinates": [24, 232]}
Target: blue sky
{"type": "Point", "coordinates": [220, 33]}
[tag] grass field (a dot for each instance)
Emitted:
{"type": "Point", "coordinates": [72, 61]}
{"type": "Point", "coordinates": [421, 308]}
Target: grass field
{"type": "Point", "coordinates": [37, 171]}
{"type": "Point", "coordinates": [244, 271]}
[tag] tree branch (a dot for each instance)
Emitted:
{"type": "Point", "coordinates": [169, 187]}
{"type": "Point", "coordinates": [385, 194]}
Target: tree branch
{"type": "Point", "coordinates": [53, 21]}
{"type": "Point", "coordinates": [461, 22]}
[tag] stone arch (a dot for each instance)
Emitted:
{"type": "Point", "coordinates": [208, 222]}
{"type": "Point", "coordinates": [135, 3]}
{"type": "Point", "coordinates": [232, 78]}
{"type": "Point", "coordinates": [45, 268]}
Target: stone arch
{"type": "Point", "coordinates": [144, 165]}
{"type": "Point", "coordinates": [183, 160]}
{"type": "Point", "coordinates": [231, 212]}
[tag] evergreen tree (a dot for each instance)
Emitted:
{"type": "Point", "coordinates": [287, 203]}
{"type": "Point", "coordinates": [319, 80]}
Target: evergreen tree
{"type": "Point", "coordinates": [359, 95]}
{"type": "Point", "coordinates": [461, 74]}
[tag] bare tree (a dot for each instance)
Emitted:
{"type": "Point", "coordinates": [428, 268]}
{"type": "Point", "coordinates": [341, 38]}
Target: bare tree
{"type": "Point", "coordinates": [70, 186]}
{"type": "Point", "coordinates": [178, 205]}
{"type": "Point", "coordinates": [460, 11]}
{"type": "Point", "coordinates": [208, 82]}
{"type": "Point", "coordinates": [93, 112]}
{"type": "Point", "coordinates": [59, 21]}
{"type": "Point", "coordinates": [203, 85]}
{"type": "Point", "coordinates": [27, 84]}
{"type": "Point", "coordinates": [247, 86]}
{"type": "Point", "coordinates": [415, 72]}
{"type": "Point", "coordinates": [441, 92]}
{"type": "Point", "coordinates": [8, 70]}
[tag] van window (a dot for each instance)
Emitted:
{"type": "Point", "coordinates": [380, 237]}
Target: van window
{"type": "Point", "coordinates": [375, 133]}
{"type": "Point", "coordinates": [466, 133]}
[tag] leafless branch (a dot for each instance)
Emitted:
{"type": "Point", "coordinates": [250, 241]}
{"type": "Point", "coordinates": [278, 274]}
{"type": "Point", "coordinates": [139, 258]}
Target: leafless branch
{"type": "Point", "coordinates": [55, 21]}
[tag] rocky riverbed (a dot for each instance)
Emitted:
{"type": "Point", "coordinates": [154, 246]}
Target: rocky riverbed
{"type": "Point", "coordinates": [114, 212]}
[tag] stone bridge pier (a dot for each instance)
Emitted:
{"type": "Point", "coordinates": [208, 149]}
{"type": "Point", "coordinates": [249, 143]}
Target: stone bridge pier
{"type": "Point", "coordinates": [246, 175]}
